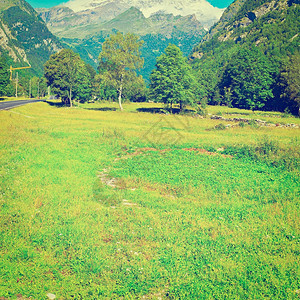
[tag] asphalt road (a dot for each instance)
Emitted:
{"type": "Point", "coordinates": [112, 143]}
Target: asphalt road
{"type": "Point", "coordinates": [11, 104]}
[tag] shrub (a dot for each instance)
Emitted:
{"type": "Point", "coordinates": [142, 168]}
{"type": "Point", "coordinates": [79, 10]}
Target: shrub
{"type": "Point", "coordinates": [253, 124]}
{"type": "Point", "coordinates": [220, 126]}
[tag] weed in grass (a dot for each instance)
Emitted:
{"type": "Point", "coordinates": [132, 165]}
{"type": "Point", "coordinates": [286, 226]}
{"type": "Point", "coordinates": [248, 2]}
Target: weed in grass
{"type": "Point", "coordinates": [267, 147]}
{"type": "Point", "coordinates": [287, 113]}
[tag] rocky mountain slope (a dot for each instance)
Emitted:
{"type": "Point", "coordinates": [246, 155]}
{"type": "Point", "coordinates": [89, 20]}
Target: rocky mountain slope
{"type": "Point", "coordinates": [24, 37]}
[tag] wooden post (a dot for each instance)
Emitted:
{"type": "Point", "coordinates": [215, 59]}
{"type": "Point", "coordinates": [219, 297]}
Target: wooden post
{"type": "Point", "coordinates": [30, 88]}
{"type": "Point", "coordinates": [38, 91]}
{"type": "Point", "coordinates": [17, 81]}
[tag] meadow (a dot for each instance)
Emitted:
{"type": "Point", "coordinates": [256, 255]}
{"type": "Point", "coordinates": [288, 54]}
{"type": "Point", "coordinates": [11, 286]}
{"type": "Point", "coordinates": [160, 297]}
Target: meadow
{"type": "Point", "coordinates": [102, 204]}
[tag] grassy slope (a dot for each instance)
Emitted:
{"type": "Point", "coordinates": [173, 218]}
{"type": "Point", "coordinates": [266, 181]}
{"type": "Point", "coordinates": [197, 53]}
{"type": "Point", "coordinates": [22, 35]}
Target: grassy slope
{"type": "Point", "coordinates": [220, 228]}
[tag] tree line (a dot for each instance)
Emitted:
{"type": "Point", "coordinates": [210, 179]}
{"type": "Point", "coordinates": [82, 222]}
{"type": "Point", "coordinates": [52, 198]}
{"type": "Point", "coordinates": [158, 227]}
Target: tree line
{"type": "Point", "coordinates": [249, 80]}
{"type": "Point", "coordinates": [171, 83]}
{"type": "Point", "coordinates": [34, 87]}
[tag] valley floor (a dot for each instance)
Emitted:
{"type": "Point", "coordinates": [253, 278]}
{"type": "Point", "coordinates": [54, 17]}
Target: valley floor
{"type": "Point", "coordinates": [101, 204]}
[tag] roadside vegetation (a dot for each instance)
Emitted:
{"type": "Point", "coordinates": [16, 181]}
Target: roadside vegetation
{"type": "Point", "coordinates": [102, 204]}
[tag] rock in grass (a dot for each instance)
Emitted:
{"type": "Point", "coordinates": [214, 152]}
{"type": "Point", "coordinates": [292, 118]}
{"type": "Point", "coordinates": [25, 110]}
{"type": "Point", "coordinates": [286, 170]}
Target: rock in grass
{"type": "Point", "coordinates": [51, 296]}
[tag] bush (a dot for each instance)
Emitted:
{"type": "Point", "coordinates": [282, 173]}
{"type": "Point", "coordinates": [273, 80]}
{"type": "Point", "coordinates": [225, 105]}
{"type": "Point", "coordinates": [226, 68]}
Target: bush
{"type": "Point", "coordinates": [253, 124]}
{"type": "Point", "coordinates": [220, 126]}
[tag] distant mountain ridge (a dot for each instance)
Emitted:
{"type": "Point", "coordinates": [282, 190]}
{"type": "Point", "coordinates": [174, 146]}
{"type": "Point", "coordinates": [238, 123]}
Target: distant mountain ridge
{"type": "Point", "coordinates": [78, 13]}
{"type": "Point", "coordinates": [24, 37]}
{"type": "Point", "coordinates": [204, 11]}
{"type": "Point", "coordinates": [85, 34]}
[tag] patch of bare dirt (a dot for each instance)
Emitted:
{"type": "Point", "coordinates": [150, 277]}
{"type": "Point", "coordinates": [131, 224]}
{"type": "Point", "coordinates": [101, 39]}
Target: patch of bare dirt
{"type": "Point", "coordinates": [107, 180]}
{"type": "Point", "coordinates": [199, 150]}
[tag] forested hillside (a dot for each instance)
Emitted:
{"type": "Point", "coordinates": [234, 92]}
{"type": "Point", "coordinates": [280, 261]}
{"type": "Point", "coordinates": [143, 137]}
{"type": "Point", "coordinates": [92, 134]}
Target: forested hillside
{"type": "Point", "coordinates": [250, 51]}
{"type": "Point", "coordinates": [24, 37]}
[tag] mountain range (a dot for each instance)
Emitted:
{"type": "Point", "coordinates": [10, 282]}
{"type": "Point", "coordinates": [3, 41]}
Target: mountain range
{"type": "Point", "coordinates": [29, 37]}
{"type": "Point", "coordinates": [204, 11]}
{"type": "Point", "coordinates": [84, 25]}
{"type": "Point", "coordinates": [270, 25]}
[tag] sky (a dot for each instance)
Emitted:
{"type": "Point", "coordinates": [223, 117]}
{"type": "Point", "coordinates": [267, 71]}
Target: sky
{"type": "Point", "coordinates": [48, 3]}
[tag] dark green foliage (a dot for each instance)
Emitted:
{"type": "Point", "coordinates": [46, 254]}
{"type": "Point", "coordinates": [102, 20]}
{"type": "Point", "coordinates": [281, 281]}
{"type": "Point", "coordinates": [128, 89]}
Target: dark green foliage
{"type": "Point", "coordinates": [103, 90]}
{"type": "Point", "coordinates": [88, 48]}
{"type": "Point", "coordinates": [247, 80]}
{"type": "Point", "coordinates": [155, 44]}
{"type": "Point", "coordinates": [206, 81]}
{"type": "Point", "coordinates": [90, 70]}
{"type": "Point", "coordinates": [248, 7]}
{"type": "Point", "coordinates": [4, 75]}
{"type": "Point", "coordinates": [208, 70]}
{"type": "Point", "coordinates": [172, 81]}
{"type": "Point", "coordinates": [136, 90]}
{"type": "Point", "coordinates": [220, 126]}
{"type": "Point", "coordinates": [68, 76]}
{"type": "Point", "coordinates": [274, 31]}
{"type": "Point", "coordinates": [9, 91]}
{"type": "Point", "coordinates": [39, 87]}
{"type": "Point", "coordinates": [288, 86]}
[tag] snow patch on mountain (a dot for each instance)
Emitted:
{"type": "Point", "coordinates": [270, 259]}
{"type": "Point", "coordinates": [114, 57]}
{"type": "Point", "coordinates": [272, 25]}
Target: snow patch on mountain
{"type": "Point", "coordinates": [204, 11]}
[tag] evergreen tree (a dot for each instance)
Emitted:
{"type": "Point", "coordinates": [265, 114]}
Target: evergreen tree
{"type": "Point", "coordinates": [68, 76]}
{"type": "Point", "coordinates": [4, 75]}
{"type": "Point", "coordinates": [248, 80]}
{"type": "Point", "coordinates": [119, 59]}
{"type": "Point", "coordinates": [172, 81]}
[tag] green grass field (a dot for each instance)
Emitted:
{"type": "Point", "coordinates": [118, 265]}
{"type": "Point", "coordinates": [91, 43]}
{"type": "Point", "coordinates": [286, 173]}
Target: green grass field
{"type": "Point", "coordinates": [101, 204]}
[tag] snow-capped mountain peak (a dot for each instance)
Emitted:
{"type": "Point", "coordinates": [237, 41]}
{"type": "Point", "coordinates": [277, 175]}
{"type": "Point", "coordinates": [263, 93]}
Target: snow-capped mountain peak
{"type": "Point", "coordinates": [204, 11]}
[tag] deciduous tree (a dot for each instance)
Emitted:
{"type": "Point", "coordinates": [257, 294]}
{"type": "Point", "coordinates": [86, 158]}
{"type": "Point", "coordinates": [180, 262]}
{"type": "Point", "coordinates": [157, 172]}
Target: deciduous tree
{"type": "Point", "coordinates": [68, 76]}
{"type": "Point", "coordinates": [248, 79]}
{"type": "Point", "coordinates": [119, 59]}
{"type": "Point", "coordinates": [289, 85]}
{"type": "Point", "coordinates": [172, 81]}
